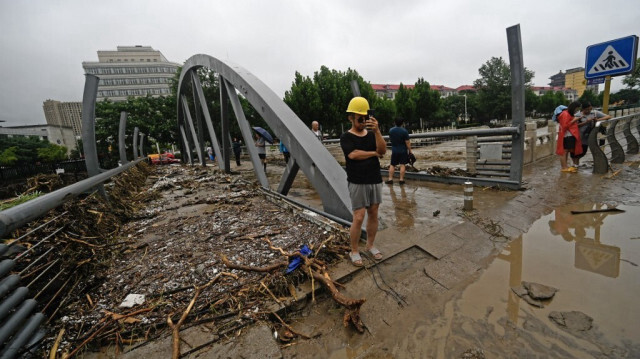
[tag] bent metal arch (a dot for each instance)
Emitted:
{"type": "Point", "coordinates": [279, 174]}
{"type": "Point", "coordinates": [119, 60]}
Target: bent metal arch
{"type": "Point", "coordinates": [307, 153]}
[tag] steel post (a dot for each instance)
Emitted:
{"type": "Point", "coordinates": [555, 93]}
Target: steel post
{"type": "Point", "coordinates": [632, 144]}
{"type": "Point", "coordinates": [136, 135]}
{"type": "Point", "coordinates": [517, 101]}
{"type": "Point", "coordinates": [207, 119]}
{"type": "Point", "coordinates": [600, 161]}
{"type": "Point", "coordinates": [142, 138]}
{"type": "Point", "coordinates": [225, 96]}
{"type": "Point", "coordinates": [247, 133]}
{"type": "Point", "coordinates": [88, 124]}
{"type": "Point", "coordinates": [121, 138]}
{"type": "Point", "coordinates": [289, 175]}
{"type": "Point", "coordinates": [617, 152]}
{"type": "Point", "coordinates": [192, 129]}
{"type": "Point", "coordinates": [198, 118]}
{"type": "Point", "coordinates": [186, 146]}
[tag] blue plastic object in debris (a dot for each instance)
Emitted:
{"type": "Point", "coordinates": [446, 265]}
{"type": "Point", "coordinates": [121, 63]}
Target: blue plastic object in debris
{"type": "Point", "coordinates": [296, 261]}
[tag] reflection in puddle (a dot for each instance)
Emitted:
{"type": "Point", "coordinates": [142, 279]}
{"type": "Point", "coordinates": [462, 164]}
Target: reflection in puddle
{"type": "Point", "coordinates": [404, 206]}
{"type": "Point", "coordinates": [592, 258]}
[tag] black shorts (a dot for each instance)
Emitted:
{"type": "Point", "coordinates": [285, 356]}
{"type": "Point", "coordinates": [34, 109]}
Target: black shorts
{"type": "Point", "coordinates": [399, 158]}
{"type": "Point", "coordinates": [569, 143]}
{"type": "Point", "coordinates": [262, 155]}
{"type": "Point", "coordinates": [585, 148]}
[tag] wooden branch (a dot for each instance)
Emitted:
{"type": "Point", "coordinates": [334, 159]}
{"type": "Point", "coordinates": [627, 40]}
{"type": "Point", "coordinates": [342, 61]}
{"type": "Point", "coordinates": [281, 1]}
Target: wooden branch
{"type": "Point", "coordinates": [352, 306]}
{"type": "Point", "coordinates": [54, 348]}
{"type": "Point", "coordinates": [289, 327]}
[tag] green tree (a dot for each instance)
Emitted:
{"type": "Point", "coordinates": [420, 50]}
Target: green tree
{"type": "Point", "coordinates": [494, 88]}
{"type": "Point", "coordinates": [427, 104]}
{"type": "Point", "coordinates": [324, 98]}
{"type": "Point", "coordinates": [26, 148]}
{"type": "Point", "coordinates": [52, 153]}
{"type": "Point", "coordinates": [632, 80]}
{"type": "Point", "coordinates": [623, 97]}
{"type": "Point", "coordinates": [531, 101]}
{"type": "Point", "coordinates": [8, 157]}
{"type": "Point", "coordinates": [549, 101]}
{"type": "Point", "coordinates": [405, 105]}
{"type": "Point", "coordinates": [589, 96]}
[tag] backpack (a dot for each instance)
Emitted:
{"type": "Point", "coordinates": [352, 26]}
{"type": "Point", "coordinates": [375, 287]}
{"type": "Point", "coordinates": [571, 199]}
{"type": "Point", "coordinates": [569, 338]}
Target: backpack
{"type": "Point", "coordinates": [557, 112]}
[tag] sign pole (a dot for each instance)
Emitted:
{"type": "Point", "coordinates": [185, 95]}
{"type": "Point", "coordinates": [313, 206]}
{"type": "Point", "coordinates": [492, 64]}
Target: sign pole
{"type": "Point", "coordinates": [605, 96]}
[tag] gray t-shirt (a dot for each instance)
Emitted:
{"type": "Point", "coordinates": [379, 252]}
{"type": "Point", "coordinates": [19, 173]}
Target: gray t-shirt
{"type": "Point", "coordinates": [586, 129]}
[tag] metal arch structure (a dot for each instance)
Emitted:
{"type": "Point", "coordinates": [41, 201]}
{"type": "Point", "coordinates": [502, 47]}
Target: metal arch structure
{"type": "Point", "coordinates": [307, 153]}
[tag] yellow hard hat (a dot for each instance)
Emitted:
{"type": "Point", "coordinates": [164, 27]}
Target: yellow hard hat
{"type": "Point", "coordinates": [358, 105]}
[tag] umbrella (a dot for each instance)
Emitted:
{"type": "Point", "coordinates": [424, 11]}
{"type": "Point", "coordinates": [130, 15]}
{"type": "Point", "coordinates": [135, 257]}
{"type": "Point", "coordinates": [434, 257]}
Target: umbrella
{"type": "Point", "coordinates": [264, 133]}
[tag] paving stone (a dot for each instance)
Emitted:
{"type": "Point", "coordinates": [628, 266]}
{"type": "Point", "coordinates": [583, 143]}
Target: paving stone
{"type": "Point", "coordinates": [450, 271]}
{"type": "Point", "coordinates": [441, 243]}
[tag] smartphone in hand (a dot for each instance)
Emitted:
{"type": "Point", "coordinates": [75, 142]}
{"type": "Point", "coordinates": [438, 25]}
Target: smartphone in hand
{"type": "Point", "coordinates": [370, 113]}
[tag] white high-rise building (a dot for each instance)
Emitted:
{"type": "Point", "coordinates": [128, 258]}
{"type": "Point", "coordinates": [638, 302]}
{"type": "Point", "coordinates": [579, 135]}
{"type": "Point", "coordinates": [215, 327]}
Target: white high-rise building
{"type": "Point", "coordinates": [132, 71]}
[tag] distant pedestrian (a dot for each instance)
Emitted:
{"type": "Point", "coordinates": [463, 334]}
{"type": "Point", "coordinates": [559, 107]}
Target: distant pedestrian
{"type": "Point", "coordinates": [262, 150]}
{"type": "Point", "coordinates": [400, 150]}
{"type": "Point", "coordinates": [285, 152]}
{"type": "Point", "coordinates": [237, 149]}
{"type": "Point", "coordinates": [361, 150]}
{"type": "Point", "coordinates": [568, 137]}
{"type": "Point", "coordinates": [315, 128]}
{"type": "Point", "coordinates": [587, 118]}
{"type": "Point", "coordinates": [212, 155]}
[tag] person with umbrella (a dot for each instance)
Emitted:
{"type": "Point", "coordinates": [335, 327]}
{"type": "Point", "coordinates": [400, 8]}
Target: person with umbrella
{"type": "Point", "coordinates": [261, 136]}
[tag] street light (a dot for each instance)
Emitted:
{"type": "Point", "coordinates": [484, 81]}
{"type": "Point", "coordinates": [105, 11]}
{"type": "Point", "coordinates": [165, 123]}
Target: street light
{"type": "Point", "coordinates": [465, 108]}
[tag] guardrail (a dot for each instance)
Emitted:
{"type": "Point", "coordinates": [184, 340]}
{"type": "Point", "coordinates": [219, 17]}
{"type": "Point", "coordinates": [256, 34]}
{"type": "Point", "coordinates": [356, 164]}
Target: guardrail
{"type": "Point", "coordinates": [618, 133]}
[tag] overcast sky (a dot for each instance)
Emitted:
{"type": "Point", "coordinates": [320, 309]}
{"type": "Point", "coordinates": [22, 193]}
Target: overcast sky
{"type": "Point", "coordinates": [43, 42]}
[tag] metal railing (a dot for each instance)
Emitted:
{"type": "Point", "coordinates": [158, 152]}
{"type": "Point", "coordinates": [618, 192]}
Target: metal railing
{"type": "Point", "coordinates": [618, 133]}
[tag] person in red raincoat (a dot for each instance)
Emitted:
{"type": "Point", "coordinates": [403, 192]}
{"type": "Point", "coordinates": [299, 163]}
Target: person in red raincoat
{"type": "Point", "coordinates": [568, 136]}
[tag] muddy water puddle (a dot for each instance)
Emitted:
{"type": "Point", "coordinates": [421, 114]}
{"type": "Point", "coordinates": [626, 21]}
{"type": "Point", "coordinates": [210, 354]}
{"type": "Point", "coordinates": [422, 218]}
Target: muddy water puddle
{"type": "Point", "coordinates": [592, 259]}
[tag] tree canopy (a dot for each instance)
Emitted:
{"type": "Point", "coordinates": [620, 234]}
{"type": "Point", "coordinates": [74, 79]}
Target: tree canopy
{"type": "Point", "coordinates": [494, 88]}
{"type": "Point", "coordinates": [632, 80]}
{"type": "Point", "coordinates": [20, 150]}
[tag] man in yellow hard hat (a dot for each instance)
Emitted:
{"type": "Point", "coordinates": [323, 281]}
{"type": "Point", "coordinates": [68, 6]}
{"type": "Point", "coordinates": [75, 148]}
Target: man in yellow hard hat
{"type": "Point", "coordinates": [362, 145]}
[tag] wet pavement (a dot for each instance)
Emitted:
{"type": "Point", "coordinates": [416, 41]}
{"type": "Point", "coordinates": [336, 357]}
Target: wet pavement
{"type": "Point", "coordinates": [444, 287]}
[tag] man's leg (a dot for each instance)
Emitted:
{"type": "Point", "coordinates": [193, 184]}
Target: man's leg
{"type": "Point", "coordinates": [392, 169]}
{"type": "Point", "coordinates": [356, 228]}
{"type": "Point", "coordinates": [403, 169]}
{"type": "Point", "coordinates": [372, 224]}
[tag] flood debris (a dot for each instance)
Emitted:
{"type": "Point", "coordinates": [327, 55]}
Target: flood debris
{"type": "Point", "coordinates": [169, 245]}
{"type": "Point", "coordinates": [534, 293]}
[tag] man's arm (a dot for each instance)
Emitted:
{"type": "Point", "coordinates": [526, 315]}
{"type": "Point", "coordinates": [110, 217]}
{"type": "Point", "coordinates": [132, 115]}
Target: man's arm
{"type": "Point", "coordinates": [408, 143]}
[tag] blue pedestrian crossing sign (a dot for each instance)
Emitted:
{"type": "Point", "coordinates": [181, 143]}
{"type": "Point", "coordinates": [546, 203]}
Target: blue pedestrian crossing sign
{"type": "Point", "coordinates": [611, 58]}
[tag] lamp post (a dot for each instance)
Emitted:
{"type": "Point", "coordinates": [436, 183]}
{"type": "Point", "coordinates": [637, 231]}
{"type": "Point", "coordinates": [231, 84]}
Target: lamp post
{"type": "Point", "coordinates": [465, 108]}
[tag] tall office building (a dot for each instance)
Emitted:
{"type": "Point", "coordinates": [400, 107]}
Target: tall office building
{"type": "Point", "coordinates": [574, 79]}
{"type": "Point", "coordinates": [132, 71]}
{"type": "Point", "coordinates": [64, 114]}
